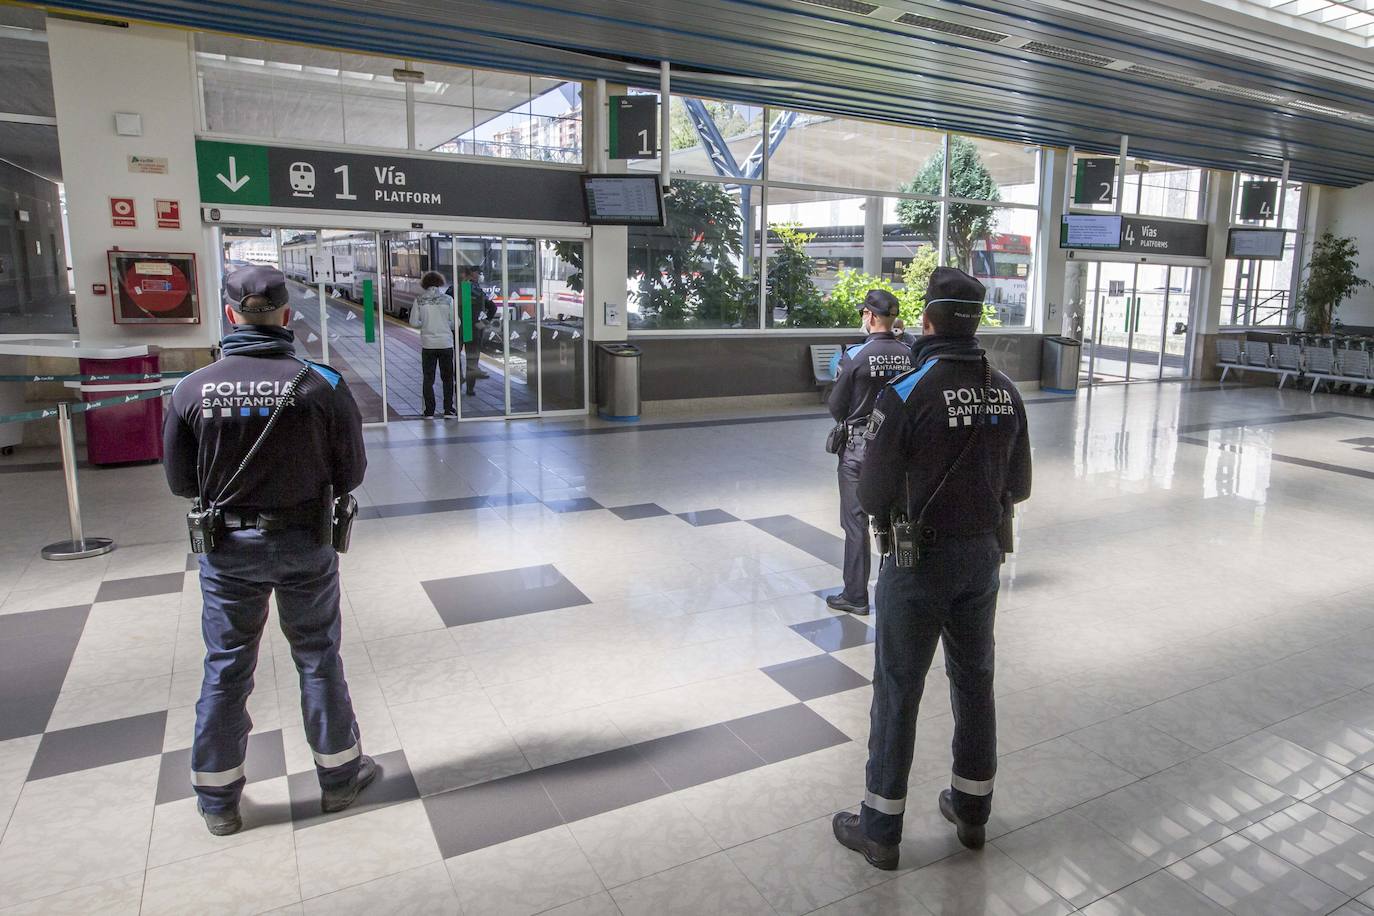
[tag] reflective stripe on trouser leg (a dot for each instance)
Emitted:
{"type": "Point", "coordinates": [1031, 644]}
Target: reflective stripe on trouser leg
{"type": "Point", "coordinates": [217, 780]}
{"type": "Point", "coordinates": [970, 786]}
{"type": "Point", "coordinates": [329, 761]}
{"type": "Point", "coordinates": [885, 805]}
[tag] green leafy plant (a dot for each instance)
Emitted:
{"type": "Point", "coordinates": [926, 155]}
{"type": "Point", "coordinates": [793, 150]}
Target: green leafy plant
{"type": "Point", "coordinates": [1330, 279]}
{"type": "Point", "coordinates": [968, 178]}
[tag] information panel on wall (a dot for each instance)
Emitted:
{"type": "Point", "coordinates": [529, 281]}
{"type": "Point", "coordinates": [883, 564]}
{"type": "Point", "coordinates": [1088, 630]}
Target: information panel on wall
{"type": "Point", "coordinates": [1093, 231]}
{"type": "Point", "coordinates": [315, 179]}
{"type": "Point", "coordinates": [1255, 244]}
{"type": "Point", "coordinates": [623, 200]}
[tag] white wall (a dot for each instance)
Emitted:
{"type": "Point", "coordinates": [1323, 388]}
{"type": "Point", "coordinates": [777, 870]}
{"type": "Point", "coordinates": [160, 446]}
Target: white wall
{"type": "Point", "coordinates": [97, 71]}
{"type": "Point", "coordinates": [1351, 213]}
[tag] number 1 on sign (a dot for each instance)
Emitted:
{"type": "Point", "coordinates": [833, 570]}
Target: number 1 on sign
{"type": "Point", "coordinates": [644, 144]}
{"type": "Point", "coordinates": [346, 194]}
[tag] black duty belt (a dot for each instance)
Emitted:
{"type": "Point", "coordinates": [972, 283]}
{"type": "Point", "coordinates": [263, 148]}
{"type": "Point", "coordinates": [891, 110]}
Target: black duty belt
{"type": "Point", "coordinates": [272, 519]}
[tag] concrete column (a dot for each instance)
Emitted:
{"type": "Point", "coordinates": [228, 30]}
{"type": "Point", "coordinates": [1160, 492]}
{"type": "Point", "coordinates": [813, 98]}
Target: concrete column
{"type": "Point", "coordinates": [1051, 260]}
{"type": "Point", "coordinates": [1206, 317]}
{"type": "Point", "coordinates": [873, 236]}
{"type": "Point", "coordinates": [98, 71]}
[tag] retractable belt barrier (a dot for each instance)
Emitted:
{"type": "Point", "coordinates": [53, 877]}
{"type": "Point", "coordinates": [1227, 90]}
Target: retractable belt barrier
{"type": "Point", "coordinates": [80, 546]}
{"type": "Point", "coordinates": [124, 377]}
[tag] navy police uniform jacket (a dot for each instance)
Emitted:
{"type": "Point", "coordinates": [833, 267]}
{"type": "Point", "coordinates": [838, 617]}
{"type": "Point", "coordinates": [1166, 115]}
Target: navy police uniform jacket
{"type": "Point", "coordinates": [918, 428]}
{"type": "Point", "coordinates": [860, 373]}
{"type": "Point", "coordinates": [217, 413]}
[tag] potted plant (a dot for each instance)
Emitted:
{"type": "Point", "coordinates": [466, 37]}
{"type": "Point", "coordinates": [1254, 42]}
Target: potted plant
{"type": "Point", "coordinates": [1330, 279]}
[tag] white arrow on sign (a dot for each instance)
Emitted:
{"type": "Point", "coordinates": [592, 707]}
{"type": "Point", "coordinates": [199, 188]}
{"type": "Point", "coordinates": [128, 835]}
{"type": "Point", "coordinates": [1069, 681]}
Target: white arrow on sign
{"type": "Point", "coordinates": [234, 181]}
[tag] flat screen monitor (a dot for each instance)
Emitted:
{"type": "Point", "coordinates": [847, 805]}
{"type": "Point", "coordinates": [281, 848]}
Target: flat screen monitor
{"type": "Point", "coordinates": [1255, 244]}
{"type": "Point", "coordinates": [623, 200]}
{"type": "Point", "coordinates": [1095, 231]}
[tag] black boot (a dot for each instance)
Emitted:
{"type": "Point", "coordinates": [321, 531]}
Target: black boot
{"type": "Point", "coordinates": [851, 836]}
{"type": "Point", "coordinates": [221, 823]}
{"type": "Point", "coordinates": [971, 835]}
{"type": "Point", "coordinates": [332, 800]}
{"type": "Point", "coordinates": [839, 603]}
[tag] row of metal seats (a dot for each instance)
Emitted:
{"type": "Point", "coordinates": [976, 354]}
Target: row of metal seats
{"type": "Point", "coordinates": [1318, 364]}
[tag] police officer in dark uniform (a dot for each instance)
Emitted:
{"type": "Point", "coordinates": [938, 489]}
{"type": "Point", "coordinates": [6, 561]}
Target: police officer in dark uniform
{"type": "Point", "coordinates": [860, 373]}
{"type": "Point", "coordinates": [948, 454]}
{"type": "Point", "coordinates": [272, 536]}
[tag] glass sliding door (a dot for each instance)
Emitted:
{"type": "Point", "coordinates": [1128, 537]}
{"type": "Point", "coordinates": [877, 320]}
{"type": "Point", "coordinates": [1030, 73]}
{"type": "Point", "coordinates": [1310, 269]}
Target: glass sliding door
{"type": "Point", "coordinates": [1135, 320]}
{"type": "Point", "coordinates": [335, 296]}
{"type": "Point", "coordinates": [1108, 301]}
{"type": "Point", "coordinates": [1151, 305]}
{"type": "Point", "coordinates": [519, 305]}
{"type": "Point", "coordinates": [562, 338]}
{"type": "Point", "coordinates": [479, 268]}
{"type": "Point", "coordinates": [1182, 283]}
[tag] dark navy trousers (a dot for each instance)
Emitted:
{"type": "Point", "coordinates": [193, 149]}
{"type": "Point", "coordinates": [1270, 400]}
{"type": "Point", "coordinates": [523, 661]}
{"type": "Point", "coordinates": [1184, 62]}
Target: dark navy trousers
{"type": "Point", "coordinates": [858, 552]}
{"type": "Point", "coordinates": [949, 597]}
{"type": "Point", "coordinates": [236, 580]}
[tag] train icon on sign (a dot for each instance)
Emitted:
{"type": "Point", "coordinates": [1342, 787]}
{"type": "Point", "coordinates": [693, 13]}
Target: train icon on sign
{"type": "Point", "coordinates": [302, 179]}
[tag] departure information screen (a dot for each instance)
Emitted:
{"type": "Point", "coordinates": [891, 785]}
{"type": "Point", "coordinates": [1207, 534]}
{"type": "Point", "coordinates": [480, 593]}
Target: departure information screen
{"type": "Point", "coordinates": [1255, 244]}
{"type": "Point", "coordinates": [1100, 231]}
{"type": "Point", "coordinates": [623, 200]}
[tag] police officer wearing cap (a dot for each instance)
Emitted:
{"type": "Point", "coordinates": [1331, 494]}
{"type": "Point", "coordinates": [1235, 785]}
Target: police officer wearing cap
{"type": "Point", "coordinates": [860, 373]}
{"type": "Point", "coordinates": [272, 512]}
{"type": "Point", "coordinates": [948, 454]}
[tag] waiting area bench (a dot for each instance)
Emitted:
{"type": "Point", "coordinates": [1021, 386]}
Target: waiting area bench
{"type": "Point", "coordinates": [1317, 363]}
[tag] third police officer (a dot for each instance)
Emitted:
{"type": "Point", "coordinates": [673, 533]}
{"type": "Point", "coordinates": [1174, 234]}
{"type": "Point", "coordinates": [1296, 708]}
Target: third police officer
{"type": "Point", "coordinates": [947, 456]}
{"type": "Point", "coordinates": [861, 372]}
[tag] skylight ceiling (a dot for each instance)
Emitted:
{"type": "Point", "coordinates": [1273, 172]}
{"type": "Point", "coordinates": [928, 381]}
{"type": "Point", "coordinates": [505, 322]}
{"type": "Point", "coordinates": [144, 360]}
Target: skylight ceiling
{"type": "Point", "coordinates": [1350, 21]}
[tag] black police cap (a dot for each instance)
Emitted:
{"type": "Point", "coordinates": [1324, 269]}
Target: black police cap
{"type": "Point", "coordinates": [880, 302]}
{"type": "Point", "coordinates": [247, 282]}
{"type": "Point", "coordinates": [954, 300]}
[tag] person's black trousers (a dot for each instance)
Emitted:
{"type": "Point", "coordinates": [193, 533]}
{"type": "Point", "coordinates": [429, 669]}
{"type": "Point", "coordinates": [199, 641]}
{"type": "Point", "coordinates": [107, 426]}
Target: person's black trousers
{"type": "Point", "coordinates": [858, 554]}
{"type": "Point", "coordinates": [444, 359]}
{"type": "Point", "coordinates": [950, 596]}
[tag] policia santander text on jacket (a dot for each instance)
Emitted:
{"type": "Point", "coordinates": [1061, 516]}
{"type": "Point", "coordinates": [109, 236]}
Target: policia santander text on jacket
{"type": "Point", "coordinates": [263, 440]}
{"type": "Point", "coordinates": [947, 454]}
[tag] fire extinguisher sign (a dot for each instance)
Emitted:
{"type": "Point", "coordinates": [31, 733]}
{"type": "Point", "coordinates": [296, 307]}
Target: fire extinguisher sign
{"type": "Point", "coordinates": [168, 214]}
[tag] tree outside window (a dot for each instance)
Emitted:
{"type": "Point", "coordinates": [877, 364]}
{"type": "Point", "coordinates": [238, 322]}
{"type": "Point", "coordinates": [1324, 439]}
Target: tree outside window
{"type": "Point", "coordinates": [968, 178]}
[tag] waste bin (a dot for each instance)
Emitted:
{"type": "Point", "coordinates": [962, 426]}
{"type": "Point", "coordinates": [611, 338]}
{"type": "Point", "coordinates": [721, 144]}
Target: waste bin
{"type": "Point", "coordinates": [1059, 359]}
{"type": "Point", "coordinates": [617, 381]}
{"type": "Point", "coordinates": [122, 433]}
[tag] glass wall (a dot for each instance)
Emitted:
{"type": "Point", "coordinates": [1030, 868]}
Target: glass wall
{"type": "Point", "coordinates": [1260, 293]}
{"type": "Point", "coordinates": [269, 91]}
{"type": "Point", "coordinates": [785, 219]}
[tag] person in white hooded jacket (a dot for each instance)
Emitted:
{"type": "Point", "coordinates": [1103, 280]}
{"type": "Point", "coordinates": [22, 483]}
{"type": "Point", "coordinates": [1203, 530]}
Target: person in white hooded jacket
{"type": "Point", "coordinates": [432, 312]}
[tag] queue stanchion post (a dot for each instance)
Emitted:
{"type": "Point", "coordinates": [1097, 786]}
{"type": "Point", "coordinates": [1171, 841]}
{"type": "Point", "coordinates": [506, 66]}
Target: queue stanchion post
{"type": "Point", "coordinates": [80, 546]}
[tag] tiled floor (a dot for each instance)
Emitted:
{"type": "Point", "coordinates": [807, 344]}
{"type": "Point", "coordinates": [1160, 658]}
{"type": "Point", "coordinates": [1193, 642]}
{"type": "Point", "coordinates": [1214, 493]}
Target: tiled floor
{"type": "Point", "coordinates": [597, 668]}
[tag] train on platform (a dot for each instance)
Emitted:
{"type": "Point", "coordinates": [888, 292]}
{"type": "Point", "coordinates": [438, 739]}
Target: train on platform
{"type": "Point", "coordinates": [408, 256]}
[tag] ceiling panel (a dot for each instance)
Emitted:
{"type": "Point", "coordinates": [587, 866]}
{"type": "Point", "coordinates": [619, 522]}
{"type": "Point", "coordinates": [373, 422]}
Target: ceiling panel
{"type": "Point", "coordinates": [1186, 87]}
